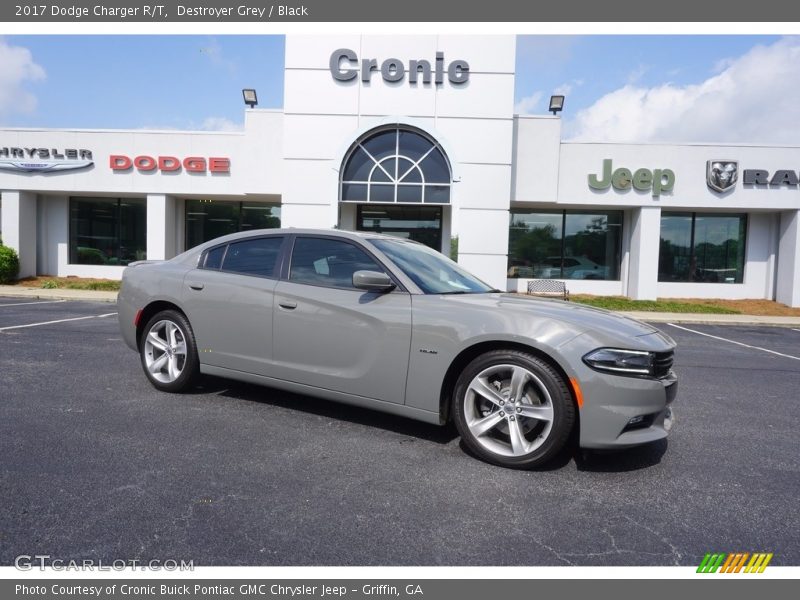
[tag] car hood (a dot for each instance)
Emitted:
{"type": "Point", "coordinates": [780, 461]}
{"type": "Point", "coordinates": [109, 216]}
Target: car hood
{"type": "Point", "coordinates": [581, 317]}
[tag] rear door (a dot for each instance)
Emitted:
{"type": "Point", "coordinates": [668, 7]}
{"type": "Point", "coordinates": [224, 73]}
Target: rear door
{"type": "Point", "coordinates": [229, 300]}
{"type": "Point", "coordinates": [333, 336]}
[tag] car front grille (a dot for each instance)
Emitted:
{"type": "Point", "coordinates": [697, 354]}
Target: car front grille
{"type": "Point", "coordinates": [662, 363]}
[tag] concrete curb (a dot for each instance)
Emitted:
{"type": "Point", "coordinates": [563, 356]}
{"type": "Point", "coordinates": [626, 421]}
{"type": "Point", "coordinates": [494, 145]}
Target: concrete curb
{"type": "Point", "coordinates": [712, 319]}
{"type": "Point", "coordinates": [14, 291]}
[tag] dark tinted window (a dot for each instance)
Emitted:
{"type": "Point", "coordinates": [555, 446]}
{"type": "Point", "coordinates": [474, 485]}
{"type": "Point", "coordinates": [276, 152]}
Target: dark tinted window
{"type": "Point", "coordinates": [702, 247]}
{"type": "Point", "coordinates": [253, 257]}
{"type": "Point", "coordinates": [565, 244]}
{"type": "Point", "coordinates": [214, 257]}
{"type": "Point", "coordinates": [107, 231]}
{"type": "Point", "coordinates": [209, 219]}
{"type": "Point", "coordinates": [320, 261]}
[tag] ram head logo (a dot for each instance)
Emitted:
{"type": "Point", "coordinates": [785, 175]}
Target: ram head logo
{"type": "Point", "coordinates": [721, 175]}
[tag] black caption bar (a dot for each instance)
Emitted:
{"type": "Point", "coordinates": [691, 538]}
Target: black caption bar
{"type": "Point", "coordinates": [351, 589]}
{"type": "Point", "coordinates": [625, 13]}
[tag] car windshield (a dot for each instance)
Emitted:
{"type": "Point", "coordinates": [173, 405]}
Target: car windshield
{"type": "Point", "coordinates": [433, 272]}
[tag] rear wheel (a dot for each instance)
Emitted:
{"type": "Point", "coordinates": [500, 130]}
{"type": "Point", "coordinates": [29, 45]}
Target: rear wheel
{"type": "Point", "coordinates": [168, 352]}
{"type": "Point", "coordinates": [513, 409]}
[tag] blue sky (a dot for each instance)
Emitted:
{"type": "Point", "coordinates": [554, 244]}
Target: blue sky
{"type": "Point", "coordinates": [172, 81]}
{"type": "Point", "coordinates": [596, 65]}
{"type": "Point", "coordinates": [637, 88]}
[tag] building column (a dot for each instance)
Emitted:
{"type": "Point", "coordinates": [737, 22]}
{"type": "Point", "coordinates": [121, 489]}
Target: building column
{"type": "Point", "coordinates": [787, 288]}
{"type": "Point", "coordinates": [160, 227]}
{"type": "Point", "coordinates": [644, 248]}
{"type": "Point", "coordinates": [19, 228]}
{"type": "Point", "coordinates": [483, 244]}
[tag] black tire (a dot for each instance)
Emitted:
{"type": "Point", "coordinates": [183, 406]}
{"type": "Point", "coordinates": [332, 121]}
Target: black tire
{"type": "Point", "coordinates": [189, 366]}
{"type": "Point", "coordinates": [544, 441]}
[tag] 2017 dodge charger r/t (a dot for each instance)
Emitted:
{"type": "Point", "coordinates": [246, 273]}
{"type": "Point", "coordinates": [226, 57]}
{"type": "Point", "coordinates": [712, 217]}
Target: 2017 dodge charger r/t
{"type": "Point", "coordinates": [390, 324]}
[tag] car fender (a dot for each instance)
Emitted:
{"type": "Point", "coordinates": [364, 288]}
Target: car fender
{"type": "Point", "coordinates": [438, 342]}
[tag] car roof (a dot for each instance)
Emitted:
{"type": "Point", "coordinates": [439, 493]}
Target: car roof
{"type": "Point", "coordinates": [240, 235]}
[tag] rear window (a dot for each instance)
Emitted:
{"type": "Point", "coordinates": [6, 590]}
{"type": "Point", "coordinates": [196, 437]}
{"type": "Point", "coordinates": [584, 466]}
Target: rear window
{"type": "Point", "coordinates": [214, 257]}
{"type": "Point", "coordinates": [257, 256]}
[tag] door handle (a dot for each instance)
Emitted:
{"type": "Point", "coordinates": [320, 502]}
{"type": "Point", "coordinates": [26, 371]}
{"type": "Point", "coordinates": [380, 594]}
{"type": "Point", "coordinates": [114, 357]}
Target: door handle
{"type": "Point", "coordinates": [195, 285]}
{"type": "Point", "coordinates": [287, 304]}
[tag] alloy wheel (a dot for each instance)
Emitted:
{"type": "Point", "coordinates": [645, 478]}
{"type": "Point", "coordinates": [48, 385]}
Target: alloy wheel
{"type": "Point", "coordinates": [508, 410]}
{"type": "Point", "coordinates": [165, 351]}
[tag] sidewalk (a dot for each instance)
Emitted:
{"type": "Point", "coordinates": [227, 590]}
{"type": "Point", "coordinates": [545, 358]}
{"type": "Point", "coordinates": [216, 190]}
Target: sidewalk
{"type": "Point", "coordinates": [15, 291]}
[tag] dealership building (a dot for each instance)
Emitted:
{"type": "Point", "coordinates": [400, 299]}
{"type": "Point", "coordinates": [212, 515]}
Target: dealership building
{"type": "Point", "coordinates": [415, 136]}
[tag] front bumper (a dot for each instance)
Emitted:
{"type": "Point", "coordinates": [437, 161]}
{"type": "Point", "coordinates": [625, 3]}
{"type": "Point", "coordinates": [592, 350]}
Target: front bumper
{"type": "Point", "coordinates": [621, 412]}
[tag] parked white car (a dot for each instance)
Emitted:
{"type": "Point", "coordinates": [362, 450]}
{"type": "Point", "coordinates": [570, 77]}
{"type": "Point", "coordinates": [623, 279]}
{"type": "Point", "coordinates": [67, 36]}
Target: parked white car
{"type": "Point", "coordinates": [575, 267]}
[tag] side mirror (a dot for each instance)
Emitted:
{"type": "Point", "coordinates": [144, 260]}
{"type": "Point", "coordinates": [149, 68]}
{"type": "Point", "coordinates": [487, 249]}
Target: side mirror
{"type": "Point", "coordinates": [373, 281]}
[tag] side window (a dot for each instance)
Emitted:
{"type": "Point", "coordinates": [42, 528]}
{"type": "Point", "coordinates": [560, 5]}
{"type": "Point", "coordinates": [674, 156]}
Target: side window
{"type": "Point", "coordinates": [321, 261]}
{"type": "Point", "coordinates": [257, 256]}
{"type": "Point", "coordinates": [214, 257]}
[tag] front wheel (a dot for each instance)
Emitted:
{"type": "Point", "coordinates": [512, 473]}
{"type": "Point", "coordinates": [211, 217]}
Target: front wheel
{"type": "Point", "coordinates": [513, 409]}
{"type": "Point", "coordinates": [168, 352]}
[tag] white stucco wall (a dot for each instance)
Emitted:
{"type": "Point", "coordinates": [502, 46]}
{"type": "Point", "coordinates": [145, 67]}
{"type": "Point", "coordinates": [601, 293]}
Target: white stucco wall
{"type": "Point", "coordinates": [472, 121]}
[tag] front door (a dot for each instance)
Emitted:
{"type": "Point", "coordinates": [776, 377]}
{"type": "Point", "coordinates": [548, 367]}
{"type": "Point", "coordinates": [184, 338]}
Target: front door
{"type": "Point", "coordinates": [333, 336]}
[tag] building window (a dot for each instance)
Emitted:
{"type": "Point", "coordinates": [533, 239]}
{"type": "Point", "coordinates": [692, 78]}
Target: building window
{"type": "Point", "coordinates": [107, 231]}
{"type": "Point", "coordinates": [701, 247]}
{"type": "Point", "coordinates": [396, 165]}
{"type": "Point", "coordinates": [209, 219]}
{"type": "Point", "coordinates": [419, 223]}
{"type": "Point", "coordinates": [564, 244]}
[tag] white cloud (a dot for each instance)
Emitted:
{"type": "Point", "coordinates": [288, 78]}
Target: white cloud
{"type": "Point", "coordinates": [753, 98]}
{"type": "Point", "coordinates": [17, 68]}
{"type": "Point", "coordinates": [207, 124]}
{"type": "Point", "coordinates": [529, 104]}
{"type": "Point", "coordinates": [220, 124]}
{"type": "Point", "coordinates": [213, 51]}
{"type": "Point", "coordinates": [565, 89]}
{"type": "Point", "coordinates": [637, 73]}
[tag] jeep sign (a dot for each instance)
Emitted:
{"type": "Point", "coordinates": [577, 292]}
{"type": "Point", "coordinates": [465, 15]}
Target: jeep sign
{"type": "Point", "coordinates": [622, 179]}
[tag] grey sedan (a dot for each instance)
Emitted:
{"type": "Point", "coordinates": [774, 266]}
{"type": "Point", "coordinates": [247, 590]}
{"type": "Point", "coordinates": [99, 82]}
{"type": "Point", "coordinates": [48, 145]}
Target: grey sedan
{"type": "Point", "coordinates": [392, 325]}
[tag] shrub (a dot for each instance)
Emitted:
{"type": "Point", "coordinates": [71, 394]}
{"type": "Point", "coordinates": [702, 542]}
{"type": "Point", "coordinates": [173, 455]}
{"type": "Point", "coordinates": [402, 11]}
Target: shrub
{"type": "Point", "coordinates": [9, 265]}
{"type": "Point", "coordinates": [50, 284]}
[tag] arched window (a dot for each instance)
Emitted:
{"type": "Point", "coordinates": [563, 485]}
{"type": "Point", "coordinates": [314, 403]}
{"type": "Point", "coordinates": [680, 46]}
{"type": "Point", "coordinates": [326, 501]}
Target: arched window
{"type": "Point", "coordinates": [396, 165]}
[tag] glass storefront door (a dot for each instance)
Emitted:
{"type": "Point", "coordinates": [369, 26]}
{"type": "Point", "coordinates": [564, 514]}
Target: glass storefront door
{"type": "Point", "coordinates": [419, 223]}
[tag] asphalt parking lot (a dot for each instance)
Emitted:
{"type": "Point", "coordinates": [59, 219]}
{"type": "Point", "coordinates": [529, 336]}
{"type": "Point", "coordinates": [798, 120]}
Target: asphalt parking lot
{"type": "Point", "coordinates": [97, 464]}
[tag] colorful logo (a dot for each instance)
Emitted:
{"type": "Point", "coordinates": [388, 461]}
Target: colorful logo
{"type": "Point", "coordinates": [734, 562]}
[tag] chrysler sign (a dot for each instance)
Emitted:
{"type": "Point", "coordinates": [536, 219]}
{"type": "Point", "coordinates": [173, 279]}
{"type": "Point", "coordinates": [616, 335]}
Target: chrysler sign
{"type": "Point", "coordinates": [44, 160]}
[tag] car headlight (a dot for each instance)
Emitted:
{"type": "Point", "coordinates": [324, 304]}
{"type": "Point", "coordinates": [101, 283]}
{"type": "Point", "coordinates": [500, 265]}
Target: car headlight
{"type": "Point", "coordinates": [621, 362]}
